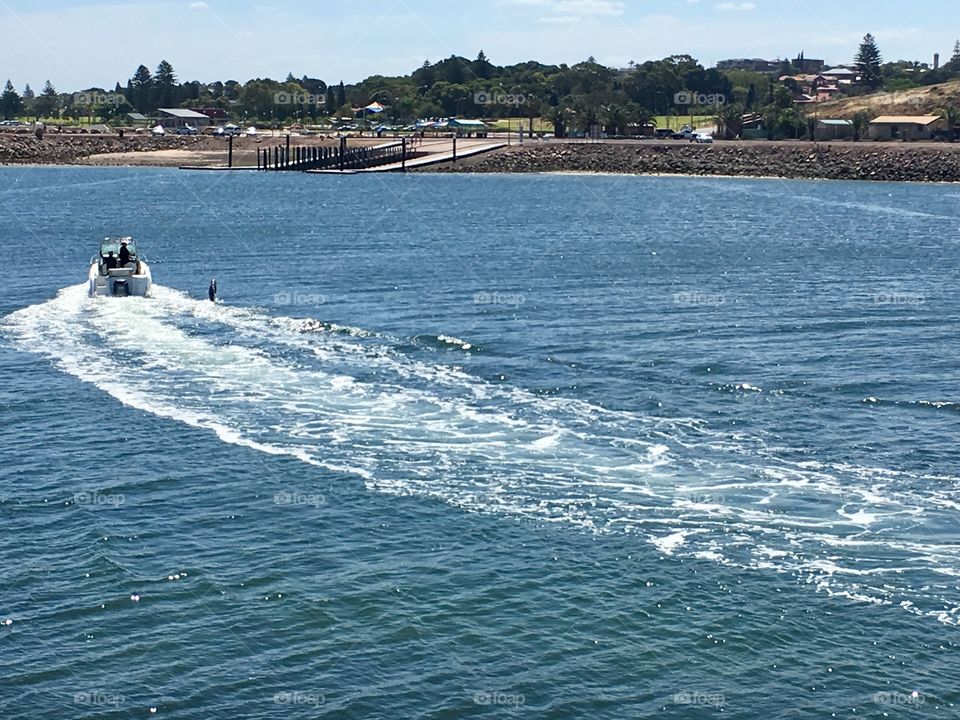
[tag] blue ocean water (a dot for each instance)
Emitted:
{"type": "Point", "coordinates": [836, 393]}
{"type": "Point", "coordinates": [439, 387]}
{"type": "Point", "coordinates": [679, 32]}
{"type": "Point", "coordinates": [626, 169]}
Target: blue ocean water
{"type": "Point", "coordinates": [455, 446]}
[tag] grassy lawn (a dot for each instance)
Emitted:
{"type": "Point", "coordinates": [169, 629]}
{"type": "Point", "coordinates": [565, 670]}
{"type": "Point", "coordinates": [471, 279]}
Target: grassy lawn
{"type": "Point", "coordinates": [675, 122]}
{"type": "Point", "coordinates": [539, 124]}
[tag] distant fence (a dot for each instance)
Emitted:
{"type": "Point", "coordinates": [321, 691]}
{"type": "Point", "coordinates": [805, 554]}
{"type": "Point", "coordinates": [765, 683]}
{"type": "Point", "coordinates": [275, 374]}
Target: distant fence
{"type": "Point", "coordinates": [302, 159]}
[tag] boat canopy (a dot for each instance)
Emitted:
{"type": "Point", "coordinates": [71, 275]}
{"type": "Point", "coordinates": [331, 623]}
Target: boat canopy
{"type": "Point", "coordinates": [112, 245]}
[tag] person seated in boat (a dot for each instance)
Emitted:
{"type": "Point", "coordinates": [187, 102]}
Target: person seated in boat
{"type": "Point", "coordinates": [124, 254]}
{"type": "Point", "coordinates": [110, 261]}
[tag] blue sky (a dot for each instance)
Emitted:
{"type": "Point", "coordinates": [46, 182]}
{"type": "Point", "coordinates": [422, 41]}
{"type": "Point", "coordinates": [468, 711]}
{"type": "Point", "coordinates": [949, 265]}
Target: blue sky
{"type": "Point", "coordinates": [79, 44]}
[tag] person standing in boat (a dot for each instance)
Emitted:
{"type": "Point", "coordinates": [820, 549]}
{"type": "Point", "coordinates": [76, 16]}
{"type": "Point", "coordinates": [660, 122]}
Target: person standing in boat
{"type": "Point", "coordinates": [124, 253]}
{"type": "Point", "coordinates": [212, 290]}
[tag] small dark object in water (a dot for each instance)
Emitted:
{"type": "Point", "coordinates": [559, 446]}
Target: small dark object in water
{"type": "Point", "coordinates": [212, 291]}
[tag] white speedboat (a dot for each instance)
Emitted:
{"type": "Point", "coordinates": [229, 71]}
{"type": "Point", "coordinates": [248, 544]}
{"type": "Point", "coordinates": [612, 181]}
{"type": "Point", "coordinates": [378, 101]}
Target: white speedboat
{"type": "Point", "coordinates": [119, 270]}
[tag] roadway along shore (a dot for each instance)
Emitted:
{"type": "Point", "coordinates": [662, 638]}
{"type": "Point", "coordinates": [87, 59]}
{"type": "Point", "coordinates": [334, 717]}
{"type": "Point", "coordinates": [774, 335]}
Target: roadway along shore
{"type": "Point", "coordinates": [919, 162]}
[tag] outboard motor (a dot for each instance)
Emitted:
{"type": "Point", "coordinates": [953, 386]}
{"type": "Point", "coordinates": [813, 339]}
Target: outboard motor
{"type": "Point", "coordinates": [121, 288]}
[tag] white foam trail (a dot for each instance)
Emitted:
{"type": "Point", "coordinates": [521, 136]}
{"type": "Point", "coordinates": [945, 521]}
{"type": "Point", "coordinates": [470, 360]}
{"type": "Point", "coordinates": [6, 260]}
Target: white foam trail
{"type": "Point", "coordinates": [347, 400]}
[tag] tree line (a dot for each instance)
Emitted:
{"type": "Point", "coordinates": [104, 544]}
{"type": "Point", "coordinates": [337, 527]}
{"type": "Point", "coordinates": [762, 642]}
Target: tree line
{"type": "Point", "coordinates": [575, 97]}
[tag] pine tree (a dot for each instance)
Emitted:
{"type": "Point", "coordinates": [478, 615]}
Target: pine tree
{"type": "Point", "coordinates": [48, 104]}
{"type": "Point", "coordinates": [341, 95]}
{"type": "Point", "coordinates": [953, 65]}
{"type": "Point", "coordinates": [482, 67]}
{"type": "Point", "coordinates": [868, 62]}
{"type": "Point", "coordinates": [141, 90]}
{"type": "Point", "coordinates": [10, 102]}
{"type": "Point", "coordinates": [165, 85]}
{"type": "Point", "coordinates": [29, 101]}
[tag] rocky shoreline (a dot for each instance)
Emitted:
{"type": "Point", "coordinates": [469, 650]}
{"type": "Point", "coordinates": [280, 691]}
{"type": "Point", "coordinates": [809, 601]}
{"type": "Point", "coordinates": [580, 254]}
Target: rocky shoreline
{"type": "Point", "coordinates": [831, 161]}
{"type": "Point", "coordinates": [790, 159]}
{"type": "Point", "coordinates": [73, 149]}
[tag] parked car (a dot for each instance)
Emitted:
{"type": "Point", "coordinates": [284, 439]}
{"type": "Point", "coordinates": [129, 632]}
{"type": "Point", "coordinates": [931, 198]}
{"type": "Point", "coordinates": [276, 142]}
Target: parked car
{"type": "Point", "coordinates": [227, 130]}
{"type": "Point", "coordinates": [663, 133]}
{"type": "Point", "coordinates": [703, 138]}
{"type": "Point", "coordinates": [187, 130]}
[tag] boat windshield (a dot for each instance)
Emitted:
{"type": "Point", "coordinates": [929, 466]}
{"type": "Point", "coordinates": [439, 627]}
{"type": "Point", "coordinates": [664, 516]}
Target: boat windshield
{"type": "Point", "coordinates": [112, 245]}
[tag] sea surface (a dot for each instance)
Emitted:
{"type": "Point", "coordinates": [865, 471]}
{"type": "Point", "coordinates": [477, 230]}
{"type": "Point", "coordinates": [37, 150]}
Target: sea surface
{"type": "Point", "coordinates": [480, 447]}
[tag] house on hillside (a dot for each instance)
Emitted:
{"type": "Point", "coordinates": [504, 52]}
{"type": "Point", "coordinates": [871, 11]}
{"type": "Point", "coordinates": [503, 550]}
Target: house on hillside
{"type": "Point", "coordinates": [177, 117]}
{"type": "Point", "coordinates": [827, 93]}
{"type": "Point", "coordinates": [841, 76]}
{"type": "Point", "coordinates": [905, 127]}
{"type": "Point", "coordinates": [807, 88]}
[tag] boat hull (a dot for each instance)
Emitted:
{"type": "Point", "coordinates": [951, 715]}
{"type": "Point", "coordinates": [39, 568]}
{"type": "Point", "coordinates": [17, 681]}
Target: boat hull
{"type": "Point", "coordinates": [121, 282]}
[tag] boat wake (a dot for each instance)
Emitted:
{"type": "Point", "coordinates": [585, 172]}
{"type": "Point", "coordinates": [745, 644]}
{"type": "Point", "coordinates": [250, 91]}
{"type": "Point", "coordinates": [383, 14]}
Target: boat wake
{"type": "Point", "coordinates": [384, 410]}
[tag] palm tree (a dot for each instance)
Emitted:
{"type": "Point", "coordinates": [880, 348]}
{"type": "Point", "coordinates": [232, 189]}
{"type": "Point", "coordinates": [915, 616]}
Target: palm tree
{"type": "Point", "coordinates": [557, 116]}
{"type": "Point", "coordinates": [951, 116]}
{"type": "Point", "coordinates": [615, 118]}
{"type": "Point", "coordinates": [587, 118]}
{"type": "Point", "coordinates": [730, 120]}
